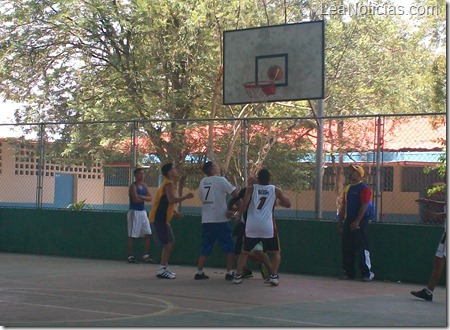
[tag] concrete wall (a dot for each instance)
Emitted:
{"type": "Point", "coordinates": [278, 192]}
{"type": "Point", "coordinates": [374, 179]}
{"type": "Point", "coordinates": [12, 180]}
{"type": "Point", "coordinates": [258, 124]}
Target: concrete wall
{"type": "Point", "coordinates": [399, 252]}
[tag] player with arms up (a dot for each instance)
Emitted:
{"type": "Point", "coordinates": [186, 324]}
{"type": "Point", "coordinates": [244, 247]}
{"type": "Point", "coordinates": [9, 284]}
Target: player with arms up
{"type": "Point", "coordinates": [213, 190]}
{"type": "Point", "coordinates": [259, 201]}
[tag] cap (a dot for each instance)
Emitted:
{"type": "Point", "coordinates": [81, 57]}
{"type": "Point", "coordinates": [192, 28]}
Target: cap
{"type": "Point", "coordinates": [359, 169]}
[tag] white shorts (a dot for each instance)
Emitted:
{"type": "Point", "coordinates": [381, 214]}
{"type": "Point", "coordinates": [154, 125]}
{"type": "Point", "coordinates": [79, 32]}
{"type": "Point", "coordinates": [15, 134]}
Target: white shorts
{"type": "Point", "coordinates": [138, 224]}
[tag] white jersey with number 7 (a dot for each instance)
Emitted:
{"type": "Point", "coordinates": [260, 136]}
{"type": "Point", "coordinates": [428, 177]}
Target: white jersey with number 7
{"type": "Point", "coordinates": [213, 192]}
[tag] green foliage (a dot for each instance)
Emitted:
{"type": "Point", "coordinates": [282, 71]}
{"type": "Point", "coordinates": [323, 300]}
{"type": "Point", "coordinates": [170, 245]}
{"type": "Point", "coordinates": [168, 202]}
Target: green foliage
{"type": "Point", "coordinates": [79, 206]}
{"type": "Point", "coordinates": [441, 168]}
{"type": "Point", "coordinates": [103, 60]}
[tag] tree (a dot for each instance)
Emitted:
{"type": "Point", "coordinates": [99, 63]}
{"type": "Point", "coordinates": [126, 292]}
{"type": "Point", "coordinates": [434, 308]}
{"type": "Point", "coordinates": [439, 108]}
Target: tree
{"type": "Point", "coordinates": [376, 67]}
{"type": "Point", "coordinates": [155, 61]}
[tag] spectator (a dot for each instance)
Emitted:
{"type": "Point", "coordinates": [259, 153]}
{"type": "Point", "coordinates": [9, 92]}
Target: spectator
{"type": "Point", "coordinates": [354, 226]}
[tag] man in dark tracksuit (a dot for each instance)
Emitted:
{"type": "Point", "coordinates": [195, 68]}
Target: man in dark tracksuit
{"type": "Point", "coordinates": [354, 225]}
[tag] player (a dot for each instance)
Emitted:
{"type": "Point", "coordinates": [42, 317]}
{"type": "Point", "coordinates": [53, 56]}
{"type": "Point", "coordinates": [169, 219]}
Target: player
{"type": "Point", "coordinates": [260, 226]}
{"type": "Point", "coordinates": [213, 190]}
{"type": "Point", "coordinates": [161, 214]}
{"type": "Point", "coordinates": [137, 221]}
{"type": "Point", "coordinates": [439, 258]}
{"type": "Point", "coordinates": [239, 233]}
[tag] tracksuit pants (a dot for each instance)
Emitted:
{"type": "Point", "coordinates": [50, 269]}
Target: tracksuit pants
{"type": "Point", "coordinates": [355, 244]}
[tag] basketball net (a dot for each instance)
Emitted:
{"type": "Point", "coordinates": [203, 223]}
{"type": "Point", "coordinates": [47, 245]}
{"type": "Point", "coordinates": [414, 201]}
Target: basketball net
{"type": "Point", "coordinates": [260, 90]}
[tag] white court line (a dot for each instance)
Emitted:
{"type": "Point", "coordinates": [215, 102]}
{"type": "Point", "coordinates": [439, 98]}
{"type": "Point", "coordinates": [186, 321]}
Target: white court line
{"type": "Point", "coordinates": [166, 306]}
{"type": "Point", "coordinates": [95, 299]}
{"type": "Point", "coordinates": [75, 309]}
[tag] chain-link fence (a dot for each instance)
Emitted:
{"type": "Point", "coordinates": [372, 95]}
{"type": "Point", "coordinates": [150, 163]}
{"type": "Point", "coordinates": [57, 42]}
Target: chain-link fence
{"type": "Point", "coordinates": [89, 165]}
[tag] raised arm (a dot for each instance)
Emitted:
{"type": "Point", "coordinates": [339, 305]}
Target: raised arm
{"type": "Point", "coordinates": [284, 200]}
{"type": "Point", "coordinates": [243, 206]}
{"type": "Point", "coordinates": [170, 193]}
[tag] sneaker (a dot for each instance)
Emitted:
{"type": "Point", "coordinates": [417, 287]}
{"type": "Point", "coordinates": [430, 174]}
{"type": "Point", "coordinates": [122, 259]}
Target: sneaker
{"type": "Point", "coordinates": [237, 279]}
{"type": "Point", "coordinates": [264, 271]}
{"type": "Point", "coordinates": [132, 260]}
{"type": "Point", "coordinates": [369, 278]}
{"type": "Point", "coordinates": [273, 279]}
{"type": "Point", "coordinates": [174, 274]}
{"type": "Point", "coordinates": [163, 273]}
{"type": "Point", "coordinates": [229, 277]}
{"type": "Point", "coordinates": [247, 273]}
{"type": "Point", "coordinates": [201, 276]}
{"type": "Point", "coordinates": [423, 294]}
{"type": "Point", "coordinates": [146, 259]}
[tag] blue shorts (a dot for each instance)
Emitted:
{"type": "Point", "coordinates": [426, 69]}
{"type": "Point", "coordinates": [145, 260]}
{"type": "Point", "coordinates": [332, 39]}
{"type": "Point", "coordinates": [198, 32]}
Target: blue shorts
{"type": "Point", "coordinates": [216, 231]}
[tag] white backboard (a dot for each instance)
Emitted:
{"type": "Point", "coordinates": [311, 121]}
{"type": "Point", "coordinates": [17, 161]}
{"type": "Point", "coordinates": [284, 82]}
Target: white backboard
{"type": "Point", "coordinates": [297, 49]}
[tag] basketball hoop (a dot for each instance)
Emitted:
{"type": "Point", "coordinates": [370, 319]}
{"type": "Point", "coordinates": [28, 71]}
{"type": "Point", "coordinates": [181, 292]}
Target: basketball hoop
{"type": "Point", "coordinates": [260, 89]}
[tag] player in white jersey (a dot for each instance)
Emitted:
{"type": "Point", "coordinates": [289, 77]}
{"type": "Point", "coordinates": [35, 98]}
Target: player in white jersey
{"type": "Point", "coordinates": [260, 222]}
{"type": "Point", "coordinates": [213, 190]}
{"type": "Point", "coordinates": [260, 225]}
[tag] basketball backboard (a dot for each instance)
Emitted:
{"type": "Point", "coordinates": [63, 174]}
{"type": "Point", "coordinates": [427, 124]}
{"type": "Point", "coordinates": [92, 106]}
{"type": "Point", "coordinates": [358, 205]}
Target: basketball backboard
{"type": "Point", "coordinates": [291, 56]}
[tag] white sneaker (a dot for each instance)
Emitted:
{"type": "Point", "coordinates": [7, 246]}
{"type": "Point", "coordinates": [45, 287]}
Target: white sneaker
{"type": "Point", "coordinates": [370, 278]}
{"type": "Point", "coordinates": [164, 273]}
{"type": "Point", "coordinates": [273, 279]}
{"type": "Point", "coordinates": [237, 278]}
{"type": "Point", "coordinates": [174, 274]}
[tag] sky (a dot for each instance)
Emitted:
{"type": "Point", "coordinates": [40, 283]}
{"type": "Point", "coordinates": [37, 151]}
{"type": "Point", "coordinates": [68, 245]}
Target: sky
{"type": "Point", "coordinates": [7, 116]}
{"type": "Point", "coordinates": [7, 111]}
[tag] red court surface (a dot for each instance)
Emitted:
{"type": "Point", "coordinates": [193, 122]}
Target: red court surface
{"type": "Point", "coordinates": [46, 291]}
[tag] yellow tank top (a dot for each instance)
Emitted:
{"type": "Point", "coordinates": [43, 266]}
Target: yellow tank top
{"type": "Point", "coordinates": [162, 210]}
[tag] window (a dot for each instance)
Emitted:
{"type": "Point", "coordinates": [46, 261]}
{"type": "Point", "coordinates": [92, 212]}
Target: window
{"type": "Point", "coordinates": [387, 178]}
{"type": "Point", "coordinates": [152, 175]}
{"type": "Point", "coordinates": [117, 176]}
{"type": "Point", "coordinates": [415, 180]}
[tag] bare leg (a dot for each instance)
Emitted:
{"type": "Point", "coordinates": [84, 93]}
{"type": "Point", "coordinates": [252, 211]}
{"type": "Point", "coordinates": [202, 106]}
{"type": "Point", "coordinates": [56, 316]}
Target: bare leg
{"type": "Point", "coordinates": [257, 256]}
{"type": "Point", "coordinates": [266, 261]}
{"type": "Point", "coordinates": [275, 261]}
{"type": "Point", "coordinates": [130, 246]}
{"type": "Point", "coordinates": [146, 244]}
{"type": "Point", "coordinates": [201, 262]}
{"type": "Point", "coordinates": [438, 268]}
{"type": "Point", "coordinates": [165, 253]}
{"type": "Point", "coordinates": [241, 262]}
{"type": "Point", "coordinates": [229, 261]}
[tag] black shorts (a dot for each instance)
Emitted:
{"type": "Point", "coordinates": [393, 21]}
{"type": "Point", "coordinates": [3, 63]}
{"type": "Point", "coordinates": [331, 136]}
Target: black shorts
{"type": "Point", "coordinates": [269, 244]}
{"type": "Point", "coordinates": [162, 233]}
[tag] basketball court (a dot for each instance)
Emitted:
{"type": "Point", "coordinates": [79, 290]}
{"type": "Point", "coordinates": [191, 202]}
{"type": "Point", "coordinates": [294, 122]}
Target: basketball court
{"type": "Point", "coordinates": [46, 291]}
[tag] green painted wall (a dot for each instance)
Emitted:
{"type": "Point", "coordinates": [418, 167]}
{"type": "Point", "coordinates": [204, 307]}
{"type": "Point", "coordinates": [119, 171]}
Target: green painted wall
{"type": "Point", "coordinates": [399, 252]}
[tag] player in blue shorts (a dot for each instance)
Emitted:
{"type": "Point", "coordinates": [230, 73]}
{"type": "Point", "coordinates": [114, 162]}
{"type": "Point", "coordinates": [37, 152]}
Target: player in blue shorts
{"type": "Point", "coordinates": [213, 190]}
